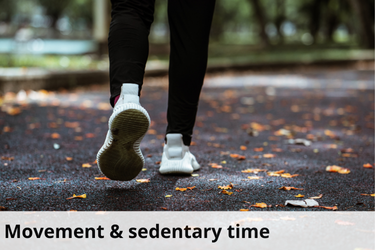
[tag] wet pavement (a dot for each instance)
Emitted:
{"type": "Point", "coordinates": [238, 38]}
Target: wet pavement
{"type": "Point", "coordinates": [245, 121]}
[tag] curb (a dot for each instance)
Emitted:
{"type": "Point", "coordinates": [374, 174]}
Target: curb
{"type": "Point", "coordinates": [26, 79]}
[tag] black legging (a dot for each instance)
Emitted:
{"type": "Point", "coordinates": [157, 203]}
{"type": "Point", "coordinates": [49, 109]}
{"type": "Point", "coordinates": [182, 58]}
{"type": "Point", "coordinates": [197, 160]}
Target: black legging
{"type": "Point", "coordinates": [190, 23]}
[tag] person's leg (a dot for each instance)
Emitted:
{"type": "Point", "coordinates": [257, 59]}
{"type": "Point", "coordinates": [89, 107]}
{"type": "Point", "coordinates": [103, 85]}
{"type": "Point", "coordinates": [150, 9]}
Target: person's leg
{"type": "Point", "coordinates": [120, 157]}
{"type": "Point", "coordinates": [190, 23]}
{"type": "Point", "coordinates": [128, 42]}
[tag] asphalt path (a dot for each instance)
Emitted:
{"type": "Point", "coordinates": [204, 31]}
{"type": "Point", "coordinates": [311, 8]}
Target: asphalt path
{"type": "Point", "coordinates": [46, 139]}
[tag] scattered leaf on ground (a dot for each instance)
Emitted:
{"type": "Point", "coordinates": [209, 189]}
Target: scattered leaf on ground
{"type": "Point", "coordinates": [194, 175]}
{"type": "Point", "coordinates": [316, 197]}
{"type": "Point", "coordinates": [299, 196]}
{"type": "Point", "coordinates": [243, 147]}
{"type": "Point", "coordinates": [168, 195]}
{"type": "Point", "coordinates": [181, 189]}
{"type": "Point", "coordinates": [290, 188]}
{"type": "Point", "coordinates": [55, 136]}
{"type": "Point", "coordinates": [82, 196]}
{"type": "Point", "coordinates": [369, 195]}
{"type": "Point", "coordinates": [7, 158]}
{"type": "Point", "coordinates": [190, 188]}
{"type": "Point", "coordinates": [164, 208]}
{"type": "Point", "coordinates": [288, 175]}
{"type": "Point", "coordinates": [254, 170]}
{"type": "Point", "coordinates": [337, 169]}
{"type": "Point", "coordinates": [254, 177]}
{"type": "Point", "coordinates": [367, 165]}
{"type": "Point", "coordinates": [215, 165]}
{"type": "Point", "coordinates": [275, 173]}
{"type": "Point", "coordinates": [244, 210]}
{"type": "Point", "coordinates": [68, 158]}
{"type": "Point", "coordinates": [3, 208]}
{"type": "Point", "coordinates": [260, 205]}
{"type": "Point", "coordinates": [330, 208]}
{"type": "Point", "coordinates": [86, 165]}
{"type": "Point", "coordinates": [226, 192]}
{"type": "Point", "coordinates": [143, 180]}
{"type": "Point", "coordinates": [230, 186]}
{"type": "Point", "coordinates": [34, 178]}
{"type": "Point", "coordinates": [269, 156]}
{"type": "Point", "coordinates": [102, 178]}
{"type": "Point", "coordinates": [258, 149]}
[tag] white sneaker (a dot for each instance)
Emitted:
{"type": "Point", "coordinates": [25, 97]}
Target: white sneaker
{"type": "Point", "coordinates": [177, 158]}
{"type": "Point", "coordinates": [120, 157]}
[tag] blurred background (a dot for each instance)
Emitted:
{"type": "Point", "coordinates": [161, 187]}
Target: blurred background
{"type": "Point", "coordinates": [72, 34]}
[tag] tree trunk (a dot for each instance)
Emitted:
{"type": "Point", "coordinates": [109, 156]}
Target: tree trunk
{"type": "Point", "coordinates": [261, 21]}
{"type": "Point", "coordinates": [315, 16]}
{"type": "Point", "coordinates": [363, 10]}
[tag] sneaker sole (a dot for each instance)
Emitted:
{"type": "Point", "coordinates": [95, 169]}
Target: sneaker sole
{"type": "Point", "coordinates": [121, 159]}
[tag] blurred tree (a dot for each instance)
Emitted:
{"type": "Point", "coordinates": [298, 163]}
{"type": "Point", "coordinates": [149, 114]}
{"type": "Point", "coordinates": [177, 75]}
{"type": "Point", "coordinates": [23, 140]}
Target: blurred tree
{"type": "Point", "coordinates": [80, 9]}
{"type": "Point", "coordinates": [7, 10]}
{"type": "Point", "coordinates": [54, 9]}
{"type": "Point", "coordinates": [365, 12]}
{"type": "Point", "coordinates": [261, 18]}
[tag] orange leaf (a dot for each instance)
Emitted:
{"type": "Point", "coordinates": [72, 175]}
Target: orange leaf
{"type": "Point", "coordinates": [215, 165]}
{"type": "Point", "coordinates": [143, 180]}
{"type": "Point", "coordinates": [152, 132]}
{"type": "Point", "coordinates": [299, 196]}
{"type": "Point", "coordinates": [7, 158]}
{"type": "Point", "coordinates": [317, 197]}
{"type": "Point", "coordinates": [86, 165]}
{"type": "Point", "coordinates": [90, 135]}
{"type": "Point", "coordinates": [234, 155]}
{"type": "Point", "coordinates": [260, 205]}
{"type": "Point", "coordinates": [290, 188]}
{"type": "Point", "coordinates": [181, 189]}
{"type": "Point", "coordinates": [258, 149]}
{"type": "Point", "coordinates": [34, 178]}
{"type": "Point", "coordinates": [269, 156]}
{"type": "Point", "coordinates": [277, 150]}
{"type": "Point", "coordinates": [241, 157]}
{"type": "Point", "coordinates": [230, 186]}
{"type": "Point", "coordinates": [78, 138]}
{"type": "Point", "coordinates": [369, 194]}
{"type": "Point", "coordinates": [337, 169]}
{"type": "Point", "coordinates": [244, 210]}
{"type": "Point", "coordinates": [164, 208]}
{"type": "Point", "coordinates": [55, 136]}
{"type": "Point", "coordinates": [226, 192]}
{"type": "Point", "coordinates": [287, 175]}
{"type": "Point", "coordinates": [331, 208]}
{"type": "Point", "coordinates": [243, 147]}
{"type": "Point", "coordinates": [254, 177]}
{"type": "Point", "coordinates": [275, 173]}
{"type": "Point", "coordinates": [190, 188]}
{"type": "Point", "coordinates": [254, 170]}
{"type": "Point", "coordinates": [367, 165]}
{"type": "Point", "coordinates": [82, 196]}
{"type": "Point", "coordinates": [68, 158]}
{"type": "Point", "coordinates": [102, 178]}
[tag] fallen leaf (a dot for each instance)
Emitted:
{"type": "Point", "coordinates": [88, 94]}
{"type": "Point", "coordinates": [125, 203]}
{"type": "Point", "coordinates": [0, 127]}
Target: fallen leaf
{"type": "Point", "coordinates": [230, 186]}
{"type": "Point", "coordinates": [331, 208]}
{"type": "Point", "coordinates": [102, 178]}
{"type": "Point", "coordinates": [82, 196]}
{"type": "Point", "coordinates": [243, 147]}
{"type": "Point", "coordinates": [316, 197]}
{"type": "Point", "coordinates": [254, 177]}
{"type": "Point", "coordinates": [7, 158]}
{"type": "Point", "coordinates": [190, 188]}
{"type": "Point", "coordinates": [78, 138]}
{"type": "Point", "coordinates": [275, 173]}
{"type": "Point", "coordinates": [215, 165]}
{"type": "Point", "coordinates": [260, 205]}
{"type": "Point", "coordinates": [168, 195]}
{"type": "Point", "coordinates": [194, 175]}
{"type": "Point", "coordinates": [369, 195]}
{"type": "Point", "coordinates": [34, 178]}
{"type": "Point", "coordinates": [151, 132]}
{"type": "Point", "coordinates": [164, 208]}
{"type": "Point", "coordinates": [13, 111]}
{"type": "Point", "coordinates": [269, 156]}
{"type": "Point", "coordinates": [302, 203]}
{"type": "Point", "coordinates": [181, 189]}
{"type": "Point", "coordinates": [290, 188]}
{"type": "Point", "coordinates": [68, 158]}
{"type": "Point", "coordinates": [90, 135]}
{"type": "Point", "coordinates": [344, 223]}
{"type": "Point", "coordinates": [213, 179]}
{"type": "Point", "coordinates": [299, 196]}
{"type": "Point", "coordinates": [258, 149]}
{"type": "Point", "coordinates": [226, 192]}
{"type": "Point", "coordinates": [244, 210]}
{"type": "Point", "coordinates": [143, 180]}
{"type": "Point", "coordinates": [3, 208]}
{"type": "Point", "coordinates": [288, 175]}
{"type": "Point", "coordinates": [367, 165]}
{"type": "Point", "coordinates": [254, 170]}
{"type": "Point", "coordinates": [10, 199]}
{"type": "Point", "coordinates": [55, 136]}
{"type": "Point", "coordinates": [277, 150]}
{"type": "Point", "coordinates": [86, 165]}
{"type": "Point", "coordinates": [337, 169]}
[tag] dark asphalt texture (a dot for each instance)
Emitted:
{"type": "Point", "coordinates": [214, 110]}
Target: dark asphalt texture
{"type": "Point", "coordinates": [224, 116]}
